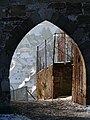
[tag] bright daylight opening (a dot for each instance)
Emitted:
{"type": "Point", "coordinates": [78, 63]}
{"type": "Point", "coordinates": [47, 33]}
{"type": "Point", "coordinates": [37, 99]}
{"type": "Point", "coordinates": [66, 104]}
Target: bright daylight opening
{"type": "Point", "coordinates": [45, 65]}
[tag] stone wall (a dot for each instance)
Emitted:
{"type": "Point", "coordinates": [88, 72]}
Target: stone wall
{"type": "Point", "coordinates": [44, 83]}
{"type": "Point", "coordinates": [79, 78]}
{"type": "Point", "coordinates": [55, 81]}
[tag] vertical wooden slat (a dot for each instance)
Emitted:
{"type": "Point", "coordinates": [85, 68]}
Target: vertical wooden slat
{"type": "Point", "coordinates": [37, 62]}
{"type": "Point", "coordinates": [54, 48]}
{"type": "Point", "coordinates": [45, 54]}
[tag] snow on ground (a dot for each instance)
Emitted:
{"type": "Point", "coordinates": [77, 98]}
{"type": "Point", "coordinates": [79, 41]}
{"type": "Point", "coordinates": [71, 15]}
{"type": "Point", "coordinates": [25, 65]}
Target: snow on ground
{"type": "Point", "coordinates": [13, 117]}
{"type": "Point", "coordinates": [76, 106]}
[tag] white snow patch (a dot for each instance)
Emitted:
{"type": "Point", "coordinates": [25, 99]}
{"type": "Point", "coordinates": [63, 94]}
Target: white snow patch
{"type": "Point", "coordinates": [33, 88]}
{"type": "Point", "coordinates": [66, 98]}
{"type": "Point", "coordinates": [72, 17]}
{"type": "Point", "coordinates": [76, 106]}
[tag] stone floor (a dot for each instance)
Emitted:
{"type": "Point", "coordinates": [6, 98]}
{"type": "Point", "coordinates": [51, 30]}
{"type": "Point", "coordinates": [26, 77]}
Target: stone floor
{"type": "Point", "coordinates": [57, 109]}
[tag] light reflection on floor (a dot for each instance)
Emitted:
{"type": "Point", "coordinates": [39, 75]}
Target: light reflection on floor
{"type": "Point", "coordinates": [13, 117]}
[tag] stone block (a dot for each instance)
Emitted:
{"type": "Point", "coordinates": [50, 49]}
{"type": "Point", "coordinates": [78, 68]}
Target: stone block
{"type": "Point", "coordinates": [55, 17]}
{"type": "Point", "coordinates": [17, 10]}
{"type": "Point", "coordinates": [27, 25]}
{"type": "Point", "coordinates": [73, 8]}
{"type": "Point", "coordinates": [59, 20]}
{"type": "Point", "coordinates": [85, 54]}
{"type": "Point", "coordinates": [5, 86]}
{"type": "Point", "coordinates": [70, 27]}
{"type": "Point", "coordinates": [18, 2]}
{"type": "Point", "coordinates": [77, 1]}
{"type": "Point", "coordinates": [35, 17]}
{"type": "Point", "coordinates": [83, 19]}
{"type": "Point", "coordinates": [78, 35]}
{"type": "Point", "coordinates": [86, 8]}
{"type": "Point", "coordinates": [4, 2]}
{"type": "Point", "coordinates": [45, 14]}
{"type": "Point", "coordinates": [83, 40]}
{"type": "Point", "coordinates": [16, 31]}
{"type": "Point", "coordinates": [57, 5]}
{"type": "Point", "coordinates": [87, 28]}
{"type": "Point", "coordinates": [2, 12]}
{"type": "Point", "coordinates": [85, 46]}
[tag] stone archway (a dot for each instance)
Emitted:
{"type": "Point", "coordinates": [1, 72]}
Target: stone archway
{"type": "Point", "coordinates": [70, 27]}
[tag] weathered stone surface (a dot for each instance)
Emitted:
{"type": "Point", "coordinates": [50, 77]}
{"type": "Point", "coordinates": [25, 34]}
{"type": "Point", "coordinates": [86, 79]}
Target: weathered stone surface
{"type": "Point", "coordinates": [44, 83]}
{"type": "Point", "coordinates": [83, 19]}
{"type": "Point", "coordinates": [5, 86]}
{"type": "Point", "coordinates": [60, 20]}
{"type": "Point", "coordinates": [57, 5]}
{"type": "Point", "coordinates": [74, 8]}
{"type": "Point", "coordinates": [71, 26]}
{"type": "Point", "coordinates": [45, 13]}
{"type": "Point", "coordinates": [78, 35]}
{"type": "Point", "coordinates": [54, 81]}
{"type": "Point", "coordinates": [17, 10]}
{"type": "Point", "coordinates": [86, 7]}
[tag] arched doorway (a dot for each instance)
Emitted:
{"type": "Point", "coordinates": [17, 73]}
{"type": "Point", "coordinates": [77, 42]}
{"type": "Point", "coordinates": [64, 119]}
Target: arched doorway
{"type": "Point", "coordinates": [62, 22]}
{"type": "Point", "coordinates": [79, 75]}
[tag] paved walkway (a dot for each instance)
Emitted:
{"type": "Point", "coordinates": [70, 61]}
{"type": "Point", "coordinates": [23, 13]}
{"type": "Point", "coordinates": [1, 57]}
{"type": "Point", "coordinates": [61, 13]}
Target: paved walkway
{"type": "Point", "coordinates": [58, 109]}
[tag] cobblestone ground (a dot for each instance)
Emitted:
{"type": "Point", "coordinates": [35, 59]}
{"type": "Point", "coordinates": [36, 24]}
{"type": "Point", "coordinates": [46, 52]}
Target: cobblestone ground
{"type": "Point", "coordinates": [57, 109]}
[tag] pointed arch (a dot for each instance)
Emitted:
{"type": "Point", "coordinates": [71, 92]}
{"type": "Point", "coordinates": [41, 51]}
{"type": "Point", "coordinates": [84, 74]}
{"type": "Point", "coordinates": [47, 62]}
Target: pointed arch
{"type": "Point", "coordinates": [70, 27]}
